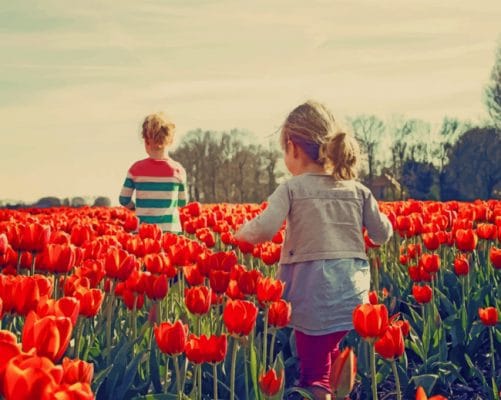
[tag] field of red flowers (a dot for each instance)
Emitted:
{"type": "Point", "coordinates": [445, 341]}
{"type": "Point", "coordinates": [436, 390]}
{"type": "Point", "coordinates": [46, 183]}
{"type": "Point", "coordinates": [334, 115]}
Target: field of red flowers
{"type": "Point", "coordinates": [93, 306]}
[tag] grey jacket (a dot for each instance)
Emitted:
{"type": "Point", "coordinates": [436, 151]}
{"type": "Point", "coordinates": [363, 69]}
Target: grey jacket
{"type": "Point", "coordinates": [324, 219]}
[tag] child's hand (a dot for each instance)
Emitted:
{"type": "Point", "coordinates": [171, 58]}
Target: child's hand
{"type": "Point", "coordinates": [131, 206]}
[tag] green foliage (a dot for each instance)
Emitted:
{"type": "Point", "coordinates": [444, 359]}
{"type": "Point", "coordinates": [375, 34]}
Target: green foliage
{"type": "Point", "coordinates": [473, 171]}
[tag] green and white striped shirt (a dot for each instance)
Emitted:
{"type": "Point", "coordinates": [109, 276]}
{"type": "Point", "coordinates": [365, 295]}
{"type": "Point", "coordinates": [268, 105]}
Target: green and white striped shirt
{"type": "Point", "coordinates": [160, 186]}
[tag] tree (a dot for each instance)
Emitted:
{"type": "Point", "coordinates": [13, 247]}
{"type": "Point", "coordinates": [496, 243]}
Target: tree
{"type": "Point", "coordinates": [369, 130]}
{"type": "Point", "coordinates": [102, 201]}
{"type": "Point", "coordinates": [474, 168]}
{"type": "Point", "coordinates": [418, 177]}
{"type": "Point", "coordinates": [448, 134]}
{"type": "Point", "coordinates": [493, 90]}
{"type": "Point", "coordinates": [226, 166]}
{"type": "Point", "coordinates": [46, 202]}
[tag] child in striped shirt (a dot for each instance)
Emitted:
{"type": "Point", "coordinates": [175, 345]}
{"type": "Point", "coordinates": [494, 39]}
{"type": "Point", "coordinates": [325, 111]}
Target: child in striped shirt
{"type": "Point", "coordinates": [159, 181]}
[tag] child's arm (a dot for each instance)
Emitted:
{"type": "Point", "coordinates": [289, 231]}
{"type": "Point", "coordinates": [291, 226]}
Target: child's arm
{"type": "Point", "coordinates": [183, 193]}
{"type": "Point", "coordinates": [125, 198]}
{"type": "Point", "coordinates": [378, 225]}
{"type": "Point", "coordinates": [267, 224]}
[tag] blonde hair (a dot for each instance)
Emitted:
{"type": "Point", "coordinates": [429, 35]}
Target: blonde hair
{"type": "Point", "coordinates": [158, 130]}
{"type": "Point", "coordinates": [312, 127]}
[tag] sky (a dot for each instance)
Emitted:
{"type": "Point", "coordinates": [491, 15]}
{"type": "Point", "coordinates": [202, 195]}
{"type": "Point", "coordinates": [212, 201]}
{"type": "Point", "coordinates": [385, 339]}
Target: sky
{"type": "Point", "coordinates": [78, 78]}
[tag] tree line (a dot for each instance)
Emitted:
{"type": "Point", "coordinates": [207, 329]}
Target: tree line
{"type": "Point", "coordinates": [456, 160]}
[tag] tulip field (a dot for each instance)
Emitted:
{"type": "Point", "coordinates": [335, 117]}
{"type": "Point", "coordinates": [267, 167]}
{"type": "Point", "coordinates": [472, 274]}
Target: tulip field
{"type": "Point", "coordinates": [94, 306]}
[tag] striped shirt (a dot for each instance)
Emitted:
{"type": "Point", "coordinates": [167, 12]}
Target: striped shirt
{"type": "Point", "coordinates": [160, 187]}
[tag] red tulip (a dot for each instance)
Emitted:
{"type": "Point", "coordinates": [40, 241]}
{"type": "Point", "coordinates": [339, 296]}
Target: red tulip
{"type": "Point", "coordinates": [90, 301]}
{"type": "Point", "coordinates": [233, 292]}
{"type": "Point", "coordinates": [49, 335]}
{"type": "Point", "coordinates": [214, 348]}
{"type": "Point", "coordinates": [373, 297]}
{"type": "Point", "coordinates": [92, 270]}
{"type": "Point", "coordinates": [63, 307]}
{"type": "Point", "coordinates": [81, 234]}
{"type": "Point", "coordinates": [431, 241]}
{"type": "Point", "coordinates": [239, 316]}
{"type": "Point", "coordinates": [414, 250]}
{"type": "Point", "coordinates": [34, 237]}
{"type": "Point", "coordinates": [194, 208]}
{"type": "Point", "coordinates": [132, 299]}
{"type": "Point", "coordinates": [9, 348]}
{"type": "Point", "coordinates": [192, 275]}
{"type": "Point", "coordinates": [29, 377]}
{"type": "Point", "coordinates": [421, 395]}
{"type": "Point", "coordinates": [422, 294]}
{"type": "Point", "coordinates": [487, 231]}
{"type": "Point", "coordinates": [391, 344]}
{"type": "Point", "coordinates": [159, 264]}
{"type": "Point", "coordinates": [219, 280]}
{"type": "Point", "coordinates": [270, 383]}
{"type": "Point", "coordinates": [4, 244]}
{"type": "Point", "coordinates": [488, 315]}
{"type": "Point", "coordinates": [279, 314]}
{"type": "Point", "coordinates": [343, 373]}
{"type": "Point", "coordinates": [269, 289]}
{"type": "Point", "coordinates": [202, 349]}
{"type": "Point", "coordinates": [247, 281]}
{"type": "Point", "coordinates": [495, 257]}
{"type": "Point", "coordinates": [430, 262]}
{"type": "Point", "coordinates": [58, 258]}
{"type": "Point", "coordinates": [171, 338]}
{"type": "Point", "coordinates": [370, 321]}
{"type": "Point", "coordinates": [198, 299]}
{"type": "Point", "coordinates": [466, 240]}
{"type": "Point", "coordinates": [461, 265]}
{"type": "Point", "coordinates": [417, 273]}
{"type": "Point", "coordinates": [150, 231]}
{"type": "Point", "coordinates": [75, 391]}
{"type": "Point", "coordinates": [28, 291]}
{"type": "Point", "coordinates": [156, 286]}
{"type": "Point", "coordinates": [119, 264]}
{"type": "Point", "coordinates": [77, 371]}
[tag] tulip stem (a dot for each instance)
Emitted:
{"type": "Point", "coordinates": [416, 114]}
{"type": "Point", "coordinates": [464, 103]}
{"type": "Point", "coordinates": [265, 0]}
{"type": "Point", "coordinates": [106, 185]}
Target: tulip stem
{"type": "Point", "coordinates": [214, 380]}
{"type": "Point", "coordinates": [109, 316]}
{"type": "Point", "coordinates": [18, 265]}
{"type": "Point", "coordinates": [272, 346]}
{"type": "Point", "coordinates": [493, 355]}
{"type": "Point", "coordinates": [397, 379]}
{"type": "Point", "coordinates": [33, 264]}
{"type": "Point", "coordinates": [78, 336]}
{"type": "Point", "coordinates": [199, 383]}
{"type": "Point", "coordinates": [233, 368]}
{"type": "Point", "coordinates": [265, 335]}
{"type": "Point", "coordinates": [373, 370]}
{"type": "Point", "coordinates": [178, 376]}
{"type": "Point", "coordinates": [167, 374]}
{"type": "Point", "coordinates": [134, 317]}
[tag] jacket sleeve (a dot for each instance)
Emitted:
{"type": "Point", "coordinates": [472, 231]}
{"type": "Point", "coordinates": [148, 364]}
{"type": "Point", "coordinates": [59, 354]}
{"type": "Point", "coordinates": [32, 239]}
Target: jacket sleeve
{"type": "Point", "coordinates": [378, 225]}
{"type": "Point", "coordinates": [267, 224]}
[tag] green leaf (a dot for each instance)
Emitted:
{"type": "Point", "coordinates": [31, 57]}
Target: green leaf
{"type": "Point", "coordinates": [99, 378]}
{"type": "Point", "coordinates": [427, 381]}
{"type": "Point", "coordinates": [253, 370]}
{"type": "Point", "coordinates": [128, 377]}
{"type": "Point", "coordinates": [475, 371]}
{"type": "Point", "coordinates": [154, 368]}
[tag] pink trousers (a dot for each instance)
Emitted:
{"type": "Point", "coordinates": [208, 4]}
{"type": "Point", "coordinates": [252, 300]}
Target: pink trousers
{"type": "Point", "coordinates": [316, 355]}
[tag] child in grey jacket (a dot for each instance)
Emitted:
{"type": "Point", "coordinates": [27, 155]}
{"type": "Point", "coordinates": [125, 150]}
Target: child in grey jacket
{"type": "Point", "coordinates": [323, 260]}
